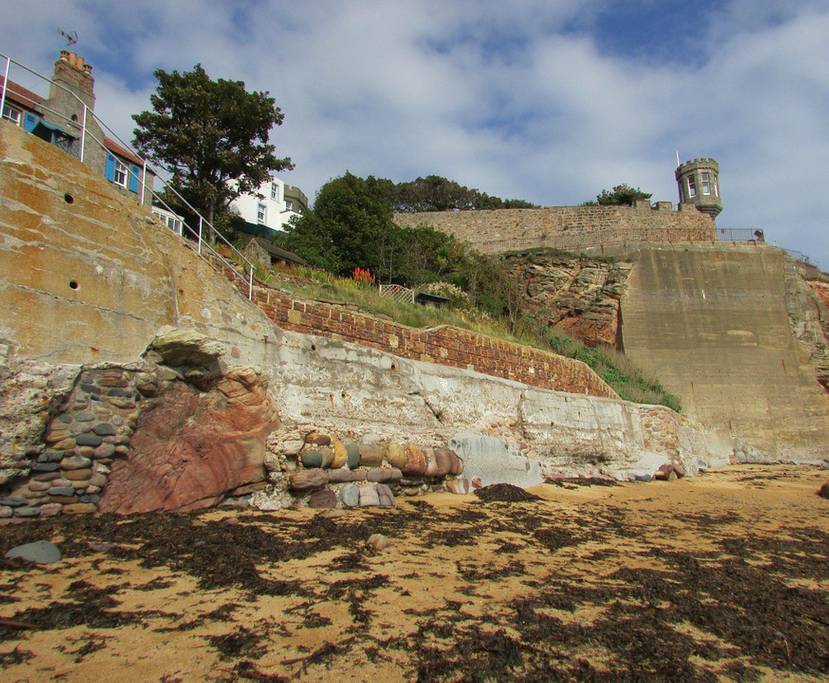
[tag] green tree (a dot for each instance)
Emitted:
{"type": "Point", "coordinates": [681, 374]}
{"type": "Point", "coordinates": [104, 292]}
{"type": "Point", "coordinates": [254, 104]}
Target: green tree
{"type": "Point", "coordinates": [621, 195]}
{"type": "Point", "coordinates": [212, 136]}
{"type": "Point", "coordinates": [436, 193]}
{"type": "Point", "coordinates": [349, 226]}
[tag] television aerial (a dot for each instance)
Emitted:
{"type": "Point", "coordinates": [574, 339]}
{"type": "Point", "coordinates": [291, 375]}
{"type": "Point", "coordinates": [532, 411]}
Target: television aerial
{"type": "Point", "coordinates": [71, 38]}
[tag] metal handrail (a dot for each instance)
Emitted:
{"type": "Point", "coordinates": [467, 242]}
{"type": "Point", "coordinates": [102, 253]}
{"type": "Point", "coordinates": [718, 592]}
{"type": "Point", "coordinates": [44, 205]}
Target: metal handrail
{"type": "Point", "coordinates": [245, 277]}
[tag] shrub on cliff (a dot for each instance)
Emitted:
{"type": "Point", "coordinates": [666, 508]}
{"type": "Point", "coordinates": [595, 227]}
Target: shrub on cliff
{"type": "Point", "coordinates": [616, 369]}
{"type": "Point", "coordinates": [621, 195]}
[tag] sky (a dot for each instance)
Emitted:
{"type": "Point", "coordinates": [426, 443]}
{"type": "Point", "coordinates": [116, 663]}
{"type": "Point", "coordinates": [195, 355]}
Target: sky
{"type": "Point", "coordinates": [545, 100]}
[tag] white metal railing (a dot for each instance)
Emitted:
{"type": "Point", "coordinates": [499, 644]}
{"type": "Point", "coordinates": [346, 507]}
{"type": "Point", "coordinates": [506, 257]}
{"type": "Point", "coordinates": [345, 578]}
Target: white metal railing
{"type": "Point", "coordinates": [398, 293]}
{"type": "Point", "coordinates": [203, 246]}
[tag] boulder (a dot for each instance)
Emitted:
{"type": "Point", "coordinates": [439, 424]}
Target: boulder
{"type": "Point", "coordinates": [308, 480]}
{"type": "Point", "coordinates": [350, 495]}
{"type": "Point", "coordinates": [459, 486]}
{"type": "Point", "coordinates": [385, 496]}
{"type": "Point", "coordinates": [324, 498]}
{"type": "Point", "coordinates": [416, 463]}
{"type": "Point", "coordinates": [666, 472]}
{"type": "Point", "coordinates": [384, 474]}
{"type": "Point", "coordinates": [353, 454]}
{"type": "Point", "coordinates": [340, 454]}
{"type": "Point", "coordinates": [191, 447]}
{"type": "Point", "coordinates": [396, 455]}
{"type": "Point", "coordinates": [311, 458]}
{"type": "Point", "coordinates": [368, 496]}
{"type": "Point", "coordinates": [345, 475]}
{"type": "Point", "coordinates": [40, 552]}
{"type": "Point", "coordinates": [318, 439]}
{"type": "Point", "coordinates": [824, 490]}
{"type": "Point", "coordinates": [372, 454]}
{"type": "Point", "coordinates": [378, 542]}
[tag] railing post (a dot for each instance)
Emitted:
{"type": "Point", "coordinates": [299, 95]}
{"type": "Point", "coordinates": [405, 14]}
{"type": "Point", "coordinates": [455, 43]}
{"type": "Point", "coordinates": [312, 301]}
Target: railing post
{"type": "Point", "coordinates": [83, 132]}
{"type": "Point", "coordinates": [143, 181]}
{"type": "Point", "coordinates": [5, 87]}
{"type": "Point", "coordinates": [198, 251]}
{"type": "Point", "coordinates": [250, 283]}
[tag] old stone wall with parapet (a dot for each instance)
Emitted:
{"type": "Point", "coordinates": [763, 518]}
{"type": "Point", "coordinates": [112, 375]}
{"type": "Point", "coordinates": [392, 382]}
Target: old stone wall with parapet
{"type": "Point", "coordinates": [569, 228]}
{"type": "Point", "coordinates": [87, 281]}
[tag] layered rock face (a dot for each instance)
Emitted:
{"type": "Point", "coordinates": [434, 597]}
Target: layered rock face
{"type": "Point", "coordinates": [577, 295]}
{"type": "Point", "coordinates": [192, 447]}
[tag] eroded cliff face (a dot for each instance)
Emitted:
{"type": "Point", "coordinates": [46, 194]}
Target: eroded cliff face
{"type": "Point", "coordinates": [579, 295]}
{"type": "Point", "coordinates": [807, 303]}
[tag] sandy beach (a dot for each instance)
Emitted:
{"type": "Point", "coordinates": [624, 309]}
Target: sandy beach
{"type": "Point", "coordinates": [721, 576]}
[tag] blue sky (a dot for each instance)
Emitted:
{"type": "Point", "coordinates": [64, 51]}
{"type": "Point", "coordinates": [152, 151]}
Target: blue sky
{"type": "Point", "coordinates": [546, 100]}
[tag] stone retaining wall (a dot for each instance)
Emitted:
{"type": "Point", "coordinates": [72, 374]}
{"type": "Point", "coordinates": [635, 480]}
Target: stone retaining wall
{"type": "Point", "coordinates": [570, 228]}
{"type": "Point", "coordinates": [444, 345]}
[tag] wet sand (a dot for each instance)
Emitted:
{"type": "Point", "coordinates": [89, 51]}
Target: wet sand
{"type": "Point", "coordinates": [723, 576]}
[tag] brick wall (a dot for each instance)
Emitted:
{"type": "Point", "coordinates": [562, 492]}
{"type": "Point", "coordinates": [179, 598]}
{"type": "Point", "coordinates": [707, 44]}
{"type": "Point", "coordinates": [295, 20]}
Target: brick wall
{"type": "Point", "coordinates": [570, 228]}
{"type": "Point", "coordinates": [443, 345]}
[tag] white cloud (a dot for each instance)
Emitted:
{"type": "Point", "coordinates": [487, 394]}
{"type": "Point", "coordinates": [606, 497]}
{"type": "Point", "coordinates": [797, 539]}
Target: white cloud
{"type": "Point", "coordinates": [496, 95]}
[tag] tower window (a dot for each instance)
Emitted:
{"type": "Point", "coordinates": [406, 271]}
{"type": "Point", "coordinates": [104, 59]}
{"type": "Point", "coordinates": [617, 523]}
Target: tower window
{"type": "Point", "coordinates": [705, 177]}
{"type": "Point", "coordinates": [261, 214]}
{"type": "Point", "coordinates": [692, 187]}
{"type": "Point", "coordinates": [275, 192]}
{"type": "Point", "coordinates": [716, 189]}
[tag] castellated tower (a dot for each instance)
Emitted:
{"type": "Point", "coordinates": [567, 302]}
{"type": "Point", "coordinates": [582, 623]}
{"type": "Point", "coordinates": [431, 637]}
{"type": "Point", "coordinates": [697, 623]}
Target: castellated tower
{"type": "Point", "coordinates": [699, 184]}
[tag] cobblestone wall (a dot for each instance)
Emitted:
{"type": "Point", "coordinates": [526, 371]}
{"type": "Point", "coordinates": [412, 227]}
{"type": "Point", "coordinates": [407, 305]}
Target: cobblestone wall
{"type": "Point", "coordinates": [570, 228]}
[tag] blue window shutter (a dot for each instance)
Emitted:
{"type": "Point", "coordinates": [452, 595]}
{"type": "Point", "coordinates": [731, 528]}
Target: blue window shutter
{"type": "Point", "coordinates": [135, 174]}
{"type": "Point", "coordinates": [109, 168]}
{"type": "Point", "coordinates": [29, 121]}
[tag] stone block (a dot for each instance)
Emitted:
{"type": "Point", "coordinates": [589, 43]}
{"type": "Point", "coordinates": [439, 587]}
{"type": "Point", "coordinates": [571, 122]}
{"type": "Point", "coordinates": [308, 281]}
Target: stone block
{"type": "Point", "coordinates": [75, 462]}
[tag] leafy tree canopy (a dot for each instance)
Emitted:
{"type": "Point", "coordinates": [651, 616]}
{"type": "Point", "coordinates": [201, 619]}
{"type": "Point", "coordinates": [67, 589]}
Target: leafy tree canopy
{"type": "Point", "coordinates": [436, 193]}
{"type": "Point", "coordinates": [621, 195]}
{"type": "Point", "coordinates": [208, 133]}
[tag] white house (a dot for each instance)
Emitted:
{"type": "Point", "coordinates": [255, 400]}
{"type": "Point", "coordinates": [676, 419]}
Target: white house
{"type": "Point", "coordinates": [274, 206]}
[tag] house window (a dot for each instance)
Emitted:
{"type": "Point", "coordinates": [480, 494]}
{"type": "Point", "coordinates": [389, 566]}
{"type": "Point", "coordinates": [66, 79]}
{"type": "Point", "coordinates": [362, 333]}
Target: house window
{"type": "Point", "coordinates": [289, 205]}
{"type": "Point", "coordinates": [275, 192]}
{"type": "Point", "coordinates": [692, 186]}
{"type": "Point", "coordinates": [705, 177]}
{"type": "Point", "coordinates": [121, 174]}
{"type": "Point", "coordinates": [261, 214]}
{"type": "Point", "coordinates": [12, 114]}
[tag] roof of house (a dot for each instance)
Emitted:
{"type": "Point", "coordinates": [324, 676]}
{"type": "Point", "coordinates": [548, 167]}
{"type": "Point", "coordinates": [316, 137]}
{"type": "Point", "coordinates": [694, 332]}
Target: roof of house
{"type": "Point", "coordinates": [122, 152]}
{"type": "Point", "coordinates": [21, 95]}
{"type": "Point", "coordinates": [280, 253]}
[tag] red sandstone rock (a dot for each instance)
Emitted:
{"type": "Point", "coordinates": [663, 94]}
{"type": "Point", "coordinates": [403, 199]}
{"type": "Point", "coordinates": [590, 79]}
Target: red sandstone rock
{"type": "Point", "coordinates": [666, 472]}
{"type": "Point", "coordinates": [189, 447]}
